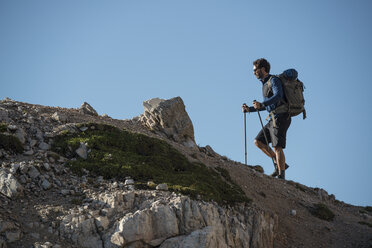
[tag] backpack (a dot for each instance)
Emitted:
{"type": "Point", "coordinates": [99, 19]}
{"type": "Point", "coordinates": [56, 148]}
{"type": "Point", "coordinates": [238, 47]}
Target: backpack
{"type": "Point", "coordinates": [293, 88]}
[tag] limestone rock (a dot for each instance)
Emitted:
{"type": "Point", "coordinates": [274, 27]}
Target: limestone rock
{"type": "Point", "coordinates": [152, 226]}
{"type": "Point", "coordinates": [162, 186]}
{"type": "Point", "coordinates": [13, 235]}
{"type": "Point", "coordinates": [4, 115]}
{"type": "Point", "coordinates": [129, 182]}
{"type": "Point", "coordinates": [6, 225]}
{"type": "Point", "coordinates": [182, 222]}
{"type": "Point", "coordinates": [9, 185]}
{"type": "Point", "coordinates": [81, 230]}
{"type": "Point", "coordinates": [59, 117]}
{"type": "Point", "coordinates": [208, 150]}
{"type": "Point", "coordinates": [33, 172]}
{"type": "Point", "coordinates": [44, 146]}
{"type": "Point", "coordinates": [21, 135]}
{"type": "Point", "coordinates": [87, 109]}
{"type": "Point", "coordinates": [203, 238]}
{"type": "Point", "coordinates": [46, 184]}
{"type": "Point", "coordinates": [170, 118]}
{"type": "Point", "coordinates": [82, 151]}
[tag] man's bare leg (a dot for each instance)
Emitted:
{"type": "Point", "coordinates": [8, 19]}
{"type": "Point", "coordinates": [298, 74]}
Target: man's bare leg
{"type": "Point", "coordinates": [280, 158]}
{"type": "Point", "coordinates": [265, 149]}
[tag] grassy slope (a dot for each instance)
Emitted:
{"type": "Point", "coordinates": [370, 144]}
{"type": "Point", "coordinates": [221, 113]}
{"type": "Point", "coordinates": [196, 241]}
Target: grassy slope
{"type": "Point", "coordinates": [116, 153]}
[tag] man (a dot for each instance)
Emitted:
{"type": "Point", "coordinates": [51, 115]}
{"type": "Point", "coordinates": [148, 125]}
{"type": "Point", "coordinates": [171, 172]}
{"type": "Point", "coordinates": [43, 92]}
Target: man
{"type": "Point", "coordinates": [276, 128]}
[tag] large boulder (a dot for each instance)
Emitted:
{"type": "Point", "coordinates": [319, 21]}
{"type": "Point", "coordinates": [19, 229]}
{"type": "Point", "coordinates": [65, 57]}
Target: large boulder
{"type": "Point", "coordinates": [9, 185]}
{"type": "Point", "coordinates": [170, 118]}
{"type": "Point", "coordinates": [85, 108]}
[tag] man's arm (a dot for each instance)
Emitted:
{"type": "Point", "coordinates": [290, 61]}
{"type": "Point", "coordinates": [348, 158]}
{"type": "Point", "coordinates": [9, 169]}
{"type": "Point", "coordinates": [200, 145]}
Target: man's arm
{"type": "Point", "coordinates": [252, 109]}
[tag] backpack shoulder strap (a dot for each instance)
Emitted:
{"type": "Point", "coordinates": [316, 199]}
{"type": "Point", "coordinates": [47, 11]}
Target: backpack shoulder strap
{"type": "Point", "coordinates": [269, 82]}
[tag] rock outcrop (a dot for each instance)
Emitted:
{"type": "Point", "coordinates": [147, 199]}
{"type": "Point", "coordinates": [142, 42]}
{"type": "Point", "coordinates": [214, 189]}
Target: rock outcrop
{"type": "Point", "coordinates": [163, 219]}
{"type": "Point", "coordinates": [9, 185]}
{"type": "Point", "coordinates": [170, 118]}
{"type": "Point", "coordinates": [87, 109]}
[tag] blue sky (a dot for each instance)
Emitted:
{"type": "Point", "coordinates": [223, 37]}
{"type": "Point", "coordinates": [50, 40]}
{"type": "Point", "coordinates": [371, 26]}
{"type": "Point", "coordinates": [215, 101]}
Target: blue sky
{"type": "Point", "coordinates": [117, 54]}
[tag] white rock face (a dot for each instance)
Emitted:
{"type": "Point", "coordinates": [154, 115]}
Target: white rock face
{"type": "Point", "coordinates": [170, 118]}
{"type": "Point", "coordinates": [203, 238]}
{"type": "Point", "coordinates": [9, 185]}
{"type": "Point", "coordinates": [162, 186]}
{"type": "Point", "coordinates": [82, 151]}
{"type": "Point", "coordinates": [44, 146]}
{"type": "Point", "coordinates": [129, 219]}
{"type": "Point", "coordinates": [21, 135]}
{"type": "Point", "coordinates": [87, 109]}
{"type": "Point", "coordinates": [59, 117]}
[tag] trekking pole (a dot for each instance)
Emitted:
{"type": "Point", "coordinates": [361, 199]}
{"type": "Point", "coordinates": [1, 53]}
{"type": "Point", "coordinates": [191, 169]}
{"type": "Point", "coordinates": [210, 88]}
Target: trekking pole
{"type": "Point", "coordinates": [263, 130]}
{"type": "Point", "coordinates": [245, 136]}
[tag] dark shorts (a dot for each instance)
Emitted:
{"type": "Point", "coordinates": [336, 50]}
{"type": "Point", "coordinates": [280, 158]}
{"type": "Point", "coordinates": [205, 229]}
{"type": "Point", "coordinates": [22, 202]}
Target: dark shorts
{"type": "Point", "coordinates": [276, 135]}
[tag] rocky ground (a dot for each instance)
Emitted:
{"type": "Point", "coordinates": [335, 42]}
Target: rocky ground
{"type": "Point", "coordinates": [43, 204]}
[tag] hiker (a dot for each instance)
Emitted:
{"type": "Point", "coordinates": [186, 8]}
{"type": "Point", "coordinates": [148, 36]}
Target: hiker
{"type": "Point", "coordinates": [276, 128]}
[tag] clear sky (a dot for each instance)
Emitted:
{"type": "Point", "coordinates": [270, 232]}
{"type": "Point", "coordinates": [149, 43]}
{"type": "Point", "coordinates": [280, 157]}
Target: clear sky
{"type": "Point", "coordinates": [117, 54]}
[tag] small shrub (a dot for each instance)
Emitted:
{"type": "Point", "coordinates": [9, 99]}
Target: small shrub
{"type": "Point", "coordinates": [365, 223]}
{"type": "Point", "coordinates": [76, 201]}
{"type": "Point", "coordinates": [321, 211]}
{"type": "Point", "coordinates": [10, 143]}
{"type": "Point", "coordinates": [368, 209]}
{"type": "Point", "coordinates": [3, 127]}
{"type": "Point", "coordinates": [257, 168]}
{"type": "Point", "coordinates": [262, 194]}
{"type": "Point", "coordinates": [224, 173]}
{"type": "Point", "coordinates": [225, 158]}
{"type": "Point", "coordinates": [298, 186]}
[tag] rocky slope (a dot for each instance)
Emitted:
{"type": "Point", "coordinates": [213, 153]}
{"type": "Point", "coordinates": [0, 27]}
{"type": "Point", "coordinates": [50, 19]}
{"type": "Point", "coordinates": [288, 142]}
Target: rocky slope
{"type": "Point", "coordinates": [44, 204]}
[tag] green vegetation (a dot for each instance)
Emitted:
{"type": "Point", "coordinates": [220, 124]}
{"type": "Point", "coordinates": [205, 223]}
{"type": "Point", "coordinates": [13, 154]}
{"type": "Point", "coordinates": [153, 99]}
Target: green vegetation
{"type": "Point", "coordinates": [118, 153]}
{"type": "Point", "coordinates": [3, 127]}
{"type": "Point", "coordinates": [321, 211]}
{"type": "Point", "coordinates": [365, 223]}
{"type": "Point", "coordinates": [76, 201]}
{"type": "Point", "coordinates": [257, 168]}
{"type": "Point", "coordinates": [297, 185]}
{"type": "Point", "coordinates": [10, 143]}
{"type": "Point", "coordinates": [368, 209]}
{"type": "Point", "coordinates": [365, 210]}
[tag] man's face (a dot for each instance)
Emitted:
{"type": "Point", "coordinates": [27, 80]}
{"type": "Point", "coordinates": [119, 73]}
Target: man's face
{"type": "Point", "coordinates": [258, 72]}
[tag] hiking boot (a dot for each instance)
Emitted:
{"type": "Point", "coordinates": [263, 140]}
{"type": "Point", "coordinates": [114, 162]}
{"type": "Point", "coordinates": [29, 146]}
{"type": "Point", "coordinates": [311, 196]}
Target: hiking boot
{"type": "Point", "coordinates": [281, 175]}
{"type": "Point", "coordinates": [276, 171]}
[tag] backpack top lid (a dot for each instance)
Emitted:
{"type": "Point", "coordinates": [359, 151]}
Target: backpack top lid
{"type": "Point", "coordinates": [290, 74]}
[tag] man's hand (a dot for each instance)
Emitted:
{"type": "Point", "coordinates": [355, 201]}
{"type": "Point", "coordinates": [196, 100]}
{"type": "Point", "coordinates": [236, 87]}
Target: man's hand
{"type": "Point", "coordinates": [245, 108]}
{"type": "Point", "coordinates": [257, 105]}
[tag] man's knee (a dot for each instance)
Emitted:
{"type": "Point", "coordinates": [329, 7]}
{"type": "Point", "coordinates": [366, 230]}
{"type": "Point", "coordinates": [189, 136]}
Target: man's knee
{"type": "Point", "coordinates": [278, 149]}
{"type": "Point", "coordinates": [258, 143]}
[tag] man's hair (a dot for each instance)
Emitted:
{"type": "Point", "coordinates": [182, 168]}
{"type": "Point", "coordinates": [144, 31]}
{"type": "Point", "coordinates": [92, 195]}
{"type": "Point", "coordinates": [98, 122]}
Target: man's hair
{"type": "Point", "coordinates": [259, 63]}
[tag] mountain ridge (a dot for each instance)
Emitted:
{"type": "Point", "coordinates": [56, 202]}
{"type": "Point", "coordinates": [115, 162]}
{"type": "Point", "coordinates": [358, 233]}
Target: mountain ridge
{"type": "Point", "coordinates": [291, 205]}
